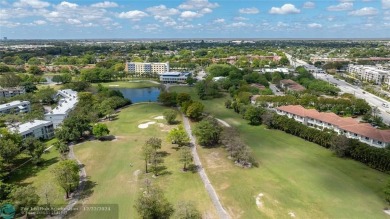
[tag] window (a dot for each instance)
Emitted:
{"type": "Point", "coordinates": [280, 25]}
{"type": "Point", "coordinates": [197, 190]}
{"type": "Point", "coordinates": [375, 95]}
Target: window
{"type": "Point", "coordinates": [367, 138]}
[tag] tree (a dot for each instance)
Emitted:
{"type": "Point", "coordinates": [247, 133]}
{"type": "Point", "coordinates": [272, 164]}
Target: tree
{"type": "Point", "coordinates": [182, 97]}
{"type": "Point", "coordinates": [152, 204]}
{"type": "Point", "coordinates": [34, 148]}
{"type": "Point", "coordinates": [387, 192]}
{"type": "Point", "coordinates": [47, 95]}
{"type": "Point", "coordinates": [62, 148]}
{"type": "Point", "coordinates": [167, 98]}
{"type": "Point", "coordinates": [340, 145]}
{"type": "Point", "coordinates": [47, 193]}
{"type": "Point", "coordinates": [195, 110]}
{"type": "Point", "coordinates": [24, 198]}
{"type": "Point", "coordinates": [9, 145]}
{"type": "Point", "coordinates": [187, 210]}
{"type": "Point", "coordinates": [35, 70]}
{"type": "Point", "coordinates": [100, 130]}
{"type": "Point", "coordinates": [178, 136]}
{"type": "Point", "coordinates": [154, 143]}
{"type": "Point", "coordinates": [4, 69]}
{"type": "Point", "coordinates": [254, 115]}
{"type": "Point", "coordinates": [66, 174]}
{"type": "Point", "coordinates": [147, 152]}
{"type": "Point", "coordinates": [9, 80]}
{"type": "Point", "coordinates": [185, 157]}
{"type": "Point", "coordinates": [170, 116]}
{"type": "Point", "coordinates": [208, 132]}
{"type": "Point", "coordinates": [73, 127]}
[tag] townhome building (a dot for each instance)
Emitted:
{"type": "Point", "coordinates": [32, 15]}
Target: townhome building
{"type": "Point", "coordinates": [15, 107]}
{"type": "Point", "coordinates": [349, 127]}
{"type": "Point", "coordinates": [40, 129]}
{"type": "Point", "coordinates": [11, 91]}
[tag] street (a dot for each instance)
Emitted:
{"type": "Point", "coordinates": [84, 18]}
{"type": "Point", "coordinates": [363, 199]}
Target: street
{"type": "Point", "coordinates": [345, 87]}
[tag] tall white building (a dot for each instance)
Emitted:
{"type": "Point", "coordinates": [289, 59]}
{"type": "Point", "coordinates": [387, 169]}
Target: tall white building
{"type": "Point", "coordinates": [174, 77]}
{"type": "Point", "coordinates": [141, 68]}
{"type": "Point", "coordinates": [15, 107]}
{"type": "Point", "coordinates": [66, 104]}
{"type": "Point", "coordinates": [40, 129]}
{"type": "Point", "coordinates": [375, 74]}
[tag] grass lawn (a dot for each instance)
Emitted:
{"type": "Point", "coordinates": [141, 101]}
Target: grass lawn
{"type": "Point", "coordinates": [116, 169]}
{"type": "Point", "coordinates": [54, 86]}
{"type": "Point", "coordinates": [130, 84]}
{"type": "Point", "coordinates": [40, 176]}
{"type": "Point", "coordinates": [295, 177]}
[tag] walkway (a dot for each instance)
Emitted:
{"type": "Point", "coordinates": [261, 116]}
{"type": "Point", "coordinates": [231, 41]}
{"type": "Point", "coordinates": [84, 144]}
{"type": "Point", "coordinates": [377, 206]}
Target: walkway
{"type": "Point", "coordinates": [210, 189]}
{"type": "Point", "coordinates": [77, 194]}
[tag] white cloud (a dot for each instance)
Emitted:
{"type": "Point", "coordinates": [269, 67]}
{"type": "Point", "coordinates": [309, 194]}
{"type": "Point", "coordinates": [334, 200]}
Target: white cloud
{"type": "Point", "coordinates": [162, 10]}
{"type": "Point", "coordinates": [252, 10]}
{"type": "Point", "coordinates": [366, 11]}
{"type": "Point", "coordinates": [31, 3]}
{"type": "Point", "coordinates": [205, 11]}
{"type": "Point", "coordinates": [67, 5]}
{"type": "Point", "coordinates": [341, 7]}
{"type": "Point", "coordinates": [281, 24]}
{"type": "Point", "coordinates": [219, 21]}
{"type": "Point", "coordinates": [240, 19]}
{"type": "Point", "coordinates": [73, 21]}
{"type": "Point", "coordinates": [337, 26]}
{"type": "Point", "coordinates": [9, 24]}
{"type": "Point", "coordinates": [135, 15]}
{"type": "Point", "coordinates": [190, 15]}
{"type": "Point", "coordinates": [346, 0]}
{"type": "Point", "coordinates": [239, 24]}
{"type": "Point", "coordinates": [197, 4]}
{"type": "Point", "coordinates": [386, 4]}
{"type": "Point", "coordinates": [309, 5]}
{"type": "Point", "coordinates": [285, 9]}
{"type": "Point", "coordinates": [40, 22]}
{"type": "Point", "coordinates": [314, 25]}
{"type": "Point", "coordinates": [105, 4]}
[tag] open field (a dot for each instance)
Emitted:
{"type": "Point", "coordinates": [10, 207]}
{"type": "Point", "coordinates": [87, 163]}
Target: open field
{"type": "Point", "coordinates": [130, 84]}
{"type": "Point", "coordinates": [116, 169]}
{"type": "Point", "coordinates": [295, 177]}
{"type": "Point", "coordinates": [40, 176]}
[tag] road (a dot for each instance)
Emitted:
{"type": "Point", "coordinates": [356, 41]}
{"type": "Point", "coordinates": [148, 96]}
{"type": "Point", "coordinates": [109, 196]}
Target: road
{"type": "Point", "coordinates": [345, 87]}
{"type": "Point", "coordinates": [209, 187]}
{"type": "Point", "coordinates": [275, 90]}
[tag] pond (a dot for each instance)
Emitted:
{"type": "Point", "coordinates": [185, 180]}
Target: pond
{"type": "Point", "coordinates": [137, 95]}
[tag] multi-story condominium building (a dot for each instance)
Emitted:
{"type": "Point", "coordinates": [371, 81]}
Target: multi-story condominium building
{"type": "Point", "coordinates": [66, 104]}
{"type": "Point", "coordinates": [141, 68]}
{"type": "Point", "coordinates": [349, 127]}
{"type": "Point", "coordinates": [15, 107]}
{"type": "Point", "coordinates": [375, 74]}
{"type": "Point", "coordinates": [38, 129]}
{"type": "Point", "coordinates": [11, 91]}
{"type": "Point", "coordinates": [174, 77]}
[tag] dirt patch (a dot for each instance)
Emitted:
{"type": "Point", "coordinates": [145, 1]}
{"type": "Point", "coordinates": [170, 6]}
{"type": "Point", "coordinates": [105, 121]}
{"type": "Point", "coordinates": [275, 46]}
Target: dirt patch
{"type": "Point", "coordinates": [214, 160]}
{"type": "Point", "coordinates": [145, 125]}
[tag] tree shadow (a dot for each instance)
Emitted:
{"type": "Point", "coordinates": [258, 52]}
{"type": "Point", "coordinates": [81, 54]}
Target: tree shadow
{"type": "Point", "coordinates": [176, 148]}
{"type": "Point", "coordinates": [163, 153]}
{"type": "Point", "coordinates": [107, 138]}
{"type": "Point", "coordinates": [162, 171]}
{"type": "Point", "coordinates": [30, 169]}
{"type": "Point", "coordinates": [193, 168]}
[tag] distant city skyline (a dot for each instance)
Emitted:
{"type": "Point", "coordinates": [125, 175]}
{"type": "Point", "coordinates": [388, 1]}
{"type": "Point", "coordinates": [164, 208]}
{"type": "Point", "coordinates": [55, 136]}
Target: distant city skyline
{"type": "Point", "coordinates": [91, 19]}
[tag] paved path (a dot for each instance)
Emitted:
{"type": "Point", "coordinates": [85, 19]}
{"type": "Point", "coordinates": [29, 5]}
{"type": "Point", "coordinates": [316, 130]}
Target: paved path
{"type": "Point", "coordinates": [210, 189]}
{"type": "Point", "coordinates": [223, 123]}
{"type": "Point", "coordinates": [77, 194]}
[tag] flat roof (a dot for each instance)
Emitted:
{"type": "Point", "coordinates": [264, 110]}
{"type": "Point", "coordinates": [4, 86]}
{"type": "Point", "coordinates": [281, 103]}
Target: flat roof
{"type": "Point", "coordinates": [66, 104]}
{"type": "Point", "coordinates": [13, 104]}
{"type": "Point", "coordinates": [30, 126]}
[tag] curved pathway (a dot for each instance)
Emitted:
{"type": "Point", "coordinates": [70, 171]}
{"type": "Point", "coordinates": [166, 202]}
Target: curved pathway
{"type": "Point", "coordinates": [76, 194]}
{"type": "Point", "coordinates": [210, 189]}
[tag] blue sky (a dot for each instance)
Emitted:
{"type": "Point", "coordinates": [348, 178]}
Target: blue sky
{"type": "Point", "coordinates": [39, 19]}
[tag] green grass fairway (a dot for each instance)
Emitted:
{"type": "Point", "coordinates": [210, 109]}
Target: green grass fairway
{"type": "Point", "coordinates": [130, 84]}
{"type": "Point", "coordinates": [116, 167]}
{"type": "Point", "coordinates": [295, 177]}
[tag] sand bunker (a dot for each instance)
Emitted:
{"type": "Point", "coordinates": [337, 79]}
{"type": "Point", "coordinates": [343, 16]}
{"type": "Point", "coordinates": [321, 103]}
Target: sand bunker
{"type": "Point", "coordinates": [113, 85]}
{"type": "Point", "coordinates": [145, 125]}
{"type": "Point", "coordinates": [159, 117]}
{"type": "Point", "coordinates": [292, 214]}
{"type": "Point", "coordinates": [259, 203]}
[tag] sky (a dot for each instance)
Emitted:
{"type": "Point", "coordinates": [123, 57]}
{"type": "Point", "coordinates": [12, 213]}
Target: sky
{"type": "Point", "coordinates": [99, 19]}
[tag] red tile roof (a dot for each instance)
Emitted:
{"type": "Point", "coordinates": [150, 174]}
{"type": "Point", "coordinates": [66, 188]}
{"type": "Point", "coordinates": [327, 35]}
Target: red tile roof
{"type": "Point", "coordinates": [347, 124]}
